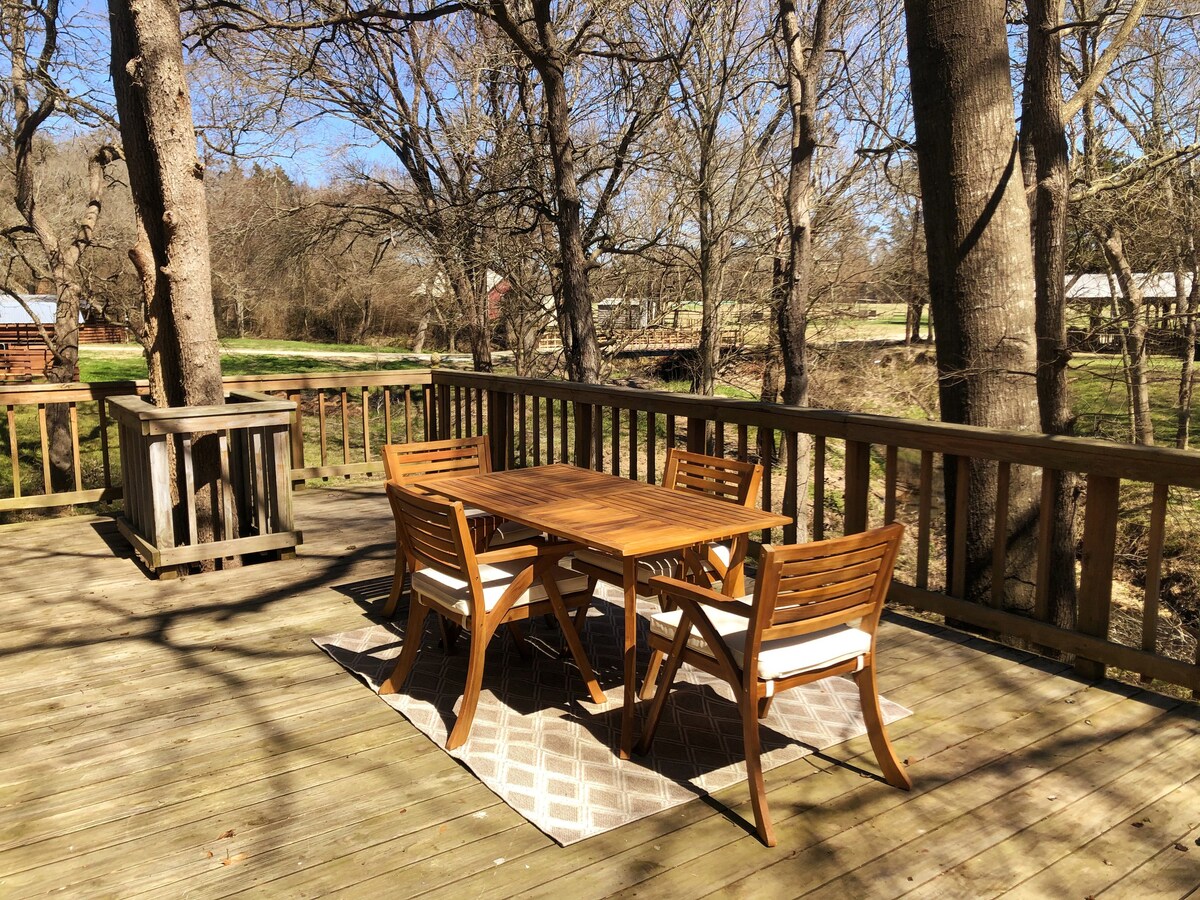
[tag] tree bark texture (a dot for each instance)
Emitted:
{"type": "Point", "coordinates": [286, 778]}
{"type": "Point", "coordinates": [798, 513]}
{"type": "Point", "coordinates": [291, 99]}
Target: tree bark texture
{"type": "Point", "coordinates": [1044, 137]}
{"type": "Point", "coordinates": [980, 268]}
{"type": "Point", "coordinates": [803, 62]}
{"type": "Point", "coordinates": [172, 255]}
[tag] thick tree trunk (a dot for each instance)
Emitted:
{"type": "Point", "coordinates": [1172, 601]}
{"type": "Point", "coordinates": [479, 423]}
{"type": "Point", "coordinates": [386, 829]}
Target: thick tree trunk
{"type": "Point", "coordinates": [980, 267]}
{"type": "Point", "coordinates": [172, 257]}
{"type": "Point", "coordinates": [583, 352]}
{"type": "Point", "coordinates": [1044, 136]}
{"type": "Point", "coordinates": [471, 298]}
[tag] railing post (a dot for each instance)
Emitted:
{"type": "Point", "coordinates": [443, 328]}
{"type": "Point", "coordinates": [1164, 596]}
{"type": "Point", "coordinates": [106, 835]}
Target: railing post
{"type": "Point", "coordinates": [1099, 554]}
{"type": "Point", "coordinates": [297, 432]}
{"type": "Point", "coordinates": [159, 476]}
{"type": "Point", "coordinates": [695, 436]}
{"type": "Point", "coordinates": [858, 482]}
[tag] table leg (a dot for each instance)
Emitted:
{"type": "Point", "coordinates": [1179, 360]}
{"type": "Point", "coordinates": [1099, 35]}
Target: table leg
{"type": "Point", "coordinates": [734, 584]}
{"type": "Point", "coordinates": [629, 585]}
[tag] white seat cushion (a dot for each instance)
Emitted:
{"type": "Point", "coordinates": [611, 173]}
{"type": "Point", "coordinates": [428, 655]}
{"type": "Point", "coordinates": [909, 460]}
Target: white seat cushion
{"type": "Point", "coordinates": [509, 532]}
{"type": "Point", "coordinates": [454, 593]}
{"type": "Point", "coordinates": [776, 659]}
{"type": "Point", "coordinates": [647, 567]}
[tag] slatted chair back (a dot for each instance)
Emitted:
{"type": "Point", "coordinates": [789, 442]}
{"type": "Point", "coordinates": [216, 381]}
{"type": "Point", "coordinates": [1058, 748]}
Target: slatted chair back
{"type": "Point", "coordinates": [731, 480]}
{"type": "Point", "coordinates": [435, 532]}
{"type": "Point", "coordinates": [811, 587]}
{"type": "Point", "coordinates": [437, 459]}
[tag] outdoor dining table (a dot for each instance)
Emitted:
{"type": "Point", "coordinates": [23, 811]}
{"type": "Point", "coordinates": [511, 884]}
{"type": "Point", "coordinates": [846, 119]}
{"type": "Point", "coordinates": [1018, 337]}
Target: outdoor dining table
{"type": "Point", "coordinates": [618, 516]}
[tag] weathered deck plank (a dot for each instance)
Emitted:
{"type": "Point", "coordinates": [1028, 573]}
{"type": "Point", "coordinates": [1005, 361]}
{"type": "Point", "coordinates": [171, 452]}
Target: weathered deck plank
{"type": "Point", "coordinates": [145, 721]}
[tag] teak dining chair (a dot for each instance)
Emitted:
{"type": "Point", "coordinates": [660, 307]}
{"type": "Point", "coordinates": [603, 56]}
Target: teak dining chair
{"type": "Point", "coordinates": [814, 614]}
{"type": "Point", "coordinates": [731, 480]}
{"type": "Point", "coordinates": [408, 463]}
{"type": "Point", "coordinates": [479, 591]}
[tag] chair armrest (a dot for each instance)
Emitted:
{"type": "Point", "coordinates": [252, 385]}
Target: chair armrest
{"type": "Point", "coordinates": [528, 551]}
{"type": "Point", "coordinates": [673, 587]}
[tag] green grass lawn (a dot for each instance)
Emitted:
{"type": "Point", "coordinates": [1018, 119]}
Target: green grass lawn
{"type": "Point", "coordinates": [265, 344]}
{"type": "Point", "coordinates": [1101, 399]}
{"type": "Point", "coordinates": [105, 367]}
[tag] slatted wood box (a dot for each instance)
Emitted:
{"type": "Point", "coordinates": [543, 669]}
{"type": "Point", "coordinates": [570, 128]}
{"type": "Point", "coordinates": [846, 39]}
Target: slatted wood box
{"type": "Point", "coordinates": [255, 505]}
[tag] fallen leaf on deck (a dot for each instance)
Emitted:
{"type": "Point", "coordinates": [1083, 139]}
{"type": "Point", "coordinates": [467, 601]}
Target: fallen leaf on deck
{"type": "Point", "coordinates": [227, 834]}
{"type": "Point", "coordinates": [230, 860]}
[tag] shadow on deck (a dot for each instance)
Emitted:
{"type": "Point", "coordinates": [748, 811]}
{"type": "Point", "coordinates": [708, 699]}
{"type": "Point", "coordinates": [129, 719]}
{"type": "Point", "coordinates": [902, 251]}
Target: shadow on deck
{"type": "Point", "coordinates": [166, 738]}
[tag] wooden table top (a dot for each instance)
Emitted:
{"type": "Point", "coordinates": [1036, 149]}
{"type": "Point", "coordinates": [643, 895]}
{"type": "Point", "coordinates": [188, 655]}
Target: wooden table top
{"type": "Point", "coordinates": [613, 514]}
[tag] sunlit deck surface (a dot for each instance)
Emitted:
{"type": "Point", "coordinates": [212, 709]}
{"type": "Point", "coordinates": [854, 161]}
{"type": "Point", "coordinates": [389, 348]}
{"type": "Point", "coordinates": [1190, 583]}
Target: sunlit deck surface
{"type": "Point", "coordinates": [186, 738]}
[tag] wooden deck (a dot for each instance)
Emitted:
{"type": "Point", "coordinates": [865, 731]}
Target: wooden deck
{"type": "Point", "coordinates": [186, 738]}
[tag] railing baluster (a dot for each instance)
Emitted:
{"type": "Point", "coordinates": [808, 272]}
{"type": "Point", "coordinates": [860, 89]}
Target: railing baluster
{"type": "Point", "coordinates": [366, 423]}
{"type": "Point", "coordinates": [719, 439]}
{"type": "Point", "coordinates": [563, 452]}
{"type": "Point", "coordinates": [1000, 535]}
{"type": "Point", "coordinates": [479, 398]}
{"type": "Point", "coordinates": [651, 448]}
{"type": "Point", "coordinates": [962, 481]}
{"type": "Point", "coordinates": [387, 415]}
{"type": "Point", "coordinates": [615, 438]}
{"type": "Point", "coordinates": [743, 450]}
{"type": "Point", "coordinates": [48, 487]}
{"type": "Point", "coordinates": [537, 430]}
{"type": "Point", "coordinates": [324, 433]}
{"type": "Point", "coordinates": [598, 438]}
{"type": "Point", "coordinates": [633, 444]}
{"type": "Point", "coordinates": [766, 451]}
{"type": "Point", "coordinates": [858, 484]}
{"type": "Point", "coordinates": [522, 451]}
{"type": "Point", "coordinates": [549, 430]}
{"type": "Point", "coordinates": [507, 409]}
{"type": "Point", "coordinates": [408, 420]}
{"type": "Point", "coordinates": [790, 479]}
{"type": "Point", "coordinates": [189, 483]}
{"type": "Point", "coordinates": [458, 411]}
{"type": "Point", "coordinates": [15, 449]}
{"type": "Point", "coordinates": [76, 463]}
{"type": "Point", "coordinates": [470, 411]}
{"type": "Point", "coordinates": [891, 466]}
{"type": "Point", "coordinates": [1154, 558]}
{"type": "Point", "coordinates": [297, 432]}
{"type": "Point", "coordinates": [102, 412]}
{"type": "Point", "coordinates": [924, 518]}
{"type": "Point", "coordinates": [345, 426]}
{"type": "Point", "coordinates": [818, 530]}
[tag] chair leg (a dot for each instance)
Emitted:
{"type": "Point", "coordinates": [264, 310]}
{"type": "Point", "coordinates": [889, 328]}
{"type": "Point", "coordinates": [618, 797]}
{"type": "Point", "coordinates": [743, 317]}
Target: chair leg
{"type": "Point", "coordinates": [893, 770]}
{"type": "Point", "coordinates": [470, 700]}
{"type": "Point", "coordinates": [393, 600]}
{"type": "Point", "coordinates": [764, 706]}
{"type": "Point", "coordinates": [656, 658]}
{"type": "Point", "coordinates": [754, 771]}
{"type": "Point", "coordinates": [450, 633]}
{"type": "Point", "coordinates": [413, 632]}
{"type": "Point", "coordinates": [674, 659]}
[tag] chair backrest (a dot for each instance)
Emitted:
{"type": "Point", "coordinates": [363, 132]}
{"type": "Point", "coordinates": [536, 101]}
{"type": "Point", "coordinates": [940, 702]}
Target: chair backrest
{"type": "Point", "coordinates": [434, 530]}
{"type": "Point", "coordinates": [433, 459]}
{"type": "Point", "coordinates": [724, 479]}
{"type": "Point", "coordinates": [803, 588]}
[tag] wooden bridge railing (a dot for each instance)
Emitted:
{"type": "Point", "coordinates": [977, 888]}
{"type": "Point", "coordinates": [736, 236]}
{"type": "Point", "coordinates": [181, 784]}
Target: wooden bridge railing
{"type": "Point", "coordinates": [867, 470]}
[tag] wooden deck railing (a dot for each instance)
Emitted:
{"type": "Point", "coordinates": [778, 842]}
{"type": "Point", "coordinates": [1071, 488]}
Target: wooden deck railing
{"type": "Point", "coordinates": [341, 420]}
{"type": "Point", "coordinates": [865, 470]}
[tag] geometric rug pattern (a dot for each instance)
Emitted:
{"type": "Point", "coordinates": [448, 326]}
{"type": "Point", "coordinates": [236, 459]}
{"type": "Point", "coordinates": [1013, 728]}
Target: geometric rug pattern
{"type": "Point", "coordinates": [548, 752]}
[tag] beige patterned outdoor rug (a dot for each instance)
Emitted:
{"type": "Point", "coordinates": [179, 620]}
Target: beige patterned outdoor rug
{"type": "Point", "coordinates": [548, 751]}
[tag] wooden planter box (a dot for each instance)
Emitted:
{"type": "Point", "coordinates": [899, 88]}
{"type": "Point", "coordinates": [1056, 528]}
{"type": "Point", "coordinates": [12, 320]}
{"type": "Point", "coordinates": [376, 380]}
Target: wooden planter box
{"type": "Point", "coordinates": [255, 489]}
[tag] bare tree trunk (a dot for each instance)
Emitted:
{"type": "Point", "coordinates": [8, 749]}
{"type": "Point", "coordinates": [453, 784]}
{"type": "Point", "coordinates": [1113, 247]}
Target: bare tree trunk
{"type": "Point", "coordinates": [172, 255]}
{"type": "Point", "coordinates": [1044, 135]}
{"type": "Point", "coordinates": [980, 268]}
{"type": "Point", "coordinates": [804, 61]}
{"type": "Point", "coordinates": [1134, 312]}
{"type": "Point", "coordinates": [583, 354]}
